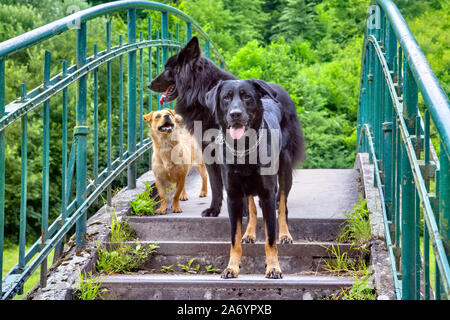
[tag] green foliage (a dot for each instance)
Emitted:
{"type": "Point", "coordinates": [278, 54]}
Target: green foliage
{"type": "Point", "coordinates": [167, 269]}
{"type": "Point", "coordinates": [311, 48]}
{"type": "Point", "coordinates": [124, 259]}
{"type": "Point", "coordinates": [357, 227]}
{"type": "Point", "coordinates": [341, 262]}
{"type": "Point", "coordinates": [145, 204]}
{"type": "Point", "coordinates": [360, 290]}
{"type": "Point", "coordinates": [211, 269]}
{"type": "Point", "coordinates": [88, 287]}
{"type": "Point", "coordinates": [189, 267]}
{"type": "Point", "coordinates": [120, 231]}
{"type": "Point", "coordinates": [296, 19]}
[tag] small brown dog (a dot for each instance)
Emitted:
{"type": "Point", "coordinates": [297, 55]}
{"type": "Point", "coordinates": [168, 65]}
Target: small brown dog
{"type": "Point", "coordinates": [173, 156]}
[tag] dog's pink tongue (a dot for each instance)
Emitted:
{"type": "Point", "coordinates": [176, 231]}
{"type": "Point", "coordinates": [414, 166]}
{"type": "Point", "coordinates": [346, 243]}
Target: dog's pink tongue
{"type": "Point", "coordinates": [164, 95]}
{"type": "Point", "coordinates": [237, 133]}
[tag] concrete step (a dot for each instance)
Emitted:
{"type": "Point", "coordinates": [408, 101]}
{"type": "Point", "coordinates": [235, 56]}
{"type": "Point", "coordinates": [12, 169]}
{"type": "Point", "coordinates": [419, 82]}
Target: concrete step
{"type": "Point", "coordinates": [188, 228]}
{"type": "Point", "coordinates": [293, 258]}
{"type": "Point", "coordinates": [315, 194]}
{"type": "Point", "coordinates": [212, 287]}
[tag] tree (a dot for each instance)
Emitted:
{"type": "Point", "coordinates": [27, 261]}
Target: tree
{"type": "Point", "coordinates": [297, 19]}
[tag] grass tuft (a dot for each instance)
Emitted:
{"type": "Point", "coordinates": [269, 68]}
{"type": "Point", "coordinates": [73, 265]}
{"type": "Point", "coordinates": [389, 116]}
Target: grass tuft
{"type": "Point", "coordinates": [88, 288]}
{"type": "Point", "coordinates": [145, 203]}
{"type": "Point", "coordinates": [124, 259]}
{"type": "Point", "coordinates": [357, 228]}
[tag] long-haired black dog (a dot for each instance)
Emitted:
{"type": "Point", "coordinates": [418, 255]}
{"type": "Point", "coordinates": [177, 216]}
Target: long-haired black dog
{"type": "Point", "coordinates": [238, 106]}
{"type": "Point", "coordinates": [188, 76]}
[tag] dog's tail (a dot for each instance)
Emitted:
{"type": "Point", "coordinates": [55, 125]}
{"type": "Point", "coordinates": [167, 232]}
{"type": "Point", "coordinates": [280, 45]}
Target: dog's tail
{"type": "Point", "coordinates": [296, 145]}
{"type": "Point", "coordinates": [295, 142]}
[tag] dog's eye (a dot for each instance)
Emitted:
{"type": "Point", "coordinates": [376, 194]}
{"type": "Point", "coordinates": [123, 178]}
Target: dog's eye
{"type": "Point", "coordinates": [247, 97]}
{"type": "Point", "coordinates": [158, 116]}
{"type": "Point", "coordinates": [227, 98]}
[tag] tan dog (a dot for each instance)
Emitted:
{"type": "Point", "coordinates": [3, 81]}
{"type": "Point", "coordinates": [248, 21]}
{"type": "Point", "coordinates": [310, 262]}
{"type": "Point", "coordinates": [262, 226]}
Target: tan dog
{"type": "Point", "coordinates": [173, 156]}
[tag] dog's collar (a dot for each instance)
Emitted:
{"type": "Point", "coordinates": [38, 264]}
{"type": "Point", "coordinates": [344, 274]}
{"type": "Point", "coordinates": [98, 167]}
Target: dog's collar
{"type": "Point", "coordinates": [220, 139]}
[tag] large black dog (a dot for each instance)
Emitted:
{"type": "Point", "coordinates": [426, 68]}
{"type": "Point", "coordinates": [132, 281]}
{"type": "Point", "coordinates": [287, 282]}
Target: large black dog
{"type": "Point", "coordinates": [188, 76]}
{"type": "Point", "coordinates": [247, 106]}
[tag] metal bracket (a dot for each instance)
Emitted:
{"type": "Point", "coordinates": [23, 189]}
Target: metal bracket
{"type": "Point", "coordinates": [81, 130]}
{"type": "Point", "coordinates": [428, 171]}
{"type": "Point", "coordinates": [387, 126]}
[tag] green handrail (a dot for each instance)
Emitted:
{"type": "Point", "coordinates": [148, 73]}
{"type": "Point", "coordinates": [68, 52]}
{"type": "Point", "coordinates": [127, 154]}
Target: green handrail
{"type": "Point", "coordinates": [392, 130]}
{"type": "Point", "coordinates": [74, 161]}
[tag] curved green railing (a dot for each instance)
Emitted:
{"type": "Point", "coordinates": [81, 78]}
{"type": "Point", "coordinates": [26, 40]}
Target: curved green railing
{"type": "Point", "coordinates": [74, 163]}
{"type": "Point", "coordinates": [413, 183]}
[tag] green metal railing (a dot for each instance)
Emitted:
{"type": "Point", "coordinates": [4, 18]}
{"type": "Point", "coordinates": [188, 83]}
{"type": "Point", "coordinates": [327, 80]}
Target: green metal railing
{"type": "Point", "coordinates": [413, 183]}
{"type": "Point", "coordinates": [74, 162]}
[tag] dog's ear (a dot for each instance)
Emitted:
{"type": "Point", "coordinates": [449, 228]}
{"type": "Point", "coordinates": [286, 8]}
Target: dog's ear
{"type": "Point", "coordinates": [148, 118]}
{"type": "Point", "coordinates": [212, 97]}
{"type": "Point", "coordinates": [179, 119]}
{"type": "Point", "coordinates": [264, 89]}
{"type": "Point", "coordinates": [190, 51]}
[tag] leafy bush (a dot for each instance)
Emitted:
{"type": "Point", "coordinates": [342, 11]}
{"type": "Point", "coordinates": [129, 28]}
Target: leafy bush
{"type": "Point", "coordinates": [145, 203]}
{"type": "Point", "coordinates": [124, 259]}
{"type": "Point", "coordinates": [88, 287]}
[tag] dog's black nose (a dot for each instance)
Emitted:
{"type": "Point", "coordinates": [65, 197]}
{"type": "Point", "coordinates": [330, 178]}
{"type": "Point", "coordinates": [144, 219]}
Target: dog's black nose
{"type": "Point", "coordinates": [235, 114]}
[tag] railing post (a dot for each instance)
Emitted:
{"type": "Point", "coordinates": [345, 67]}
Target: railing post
{"type": "Point", "coordinates": [131, 98]}
{"type": "Point", "coordinates": [120, 101]}
{"type": "Point", "coordinates": [207, 49]}
{"type": "Point", "coordinates": [141, 93]}
{"type": "Point", "coordinates": [444, 201]}
{"type": "Point", "coordinates": [108, 113]}
{"type": "Point", "coordinates": [150, 78]}
{"type": "Point", "coordinates": [410, 111]}
{"type": "Point", "coordinates": [391, 49]}
{"type": "Point", "coordinates": [2, 168]}
{"type": "Point", "coordinates": [188, 31]}
{"type": "Point", "coordinates": [165, 35]}
{"type": "Point", "coordinates": [80, 133]}
{"type": "Point", "coordinates": [45, 169]}
{"type": "Point", "coordinates": [23, 187]}
{"type": "Point", "coordinates": [376, 126]}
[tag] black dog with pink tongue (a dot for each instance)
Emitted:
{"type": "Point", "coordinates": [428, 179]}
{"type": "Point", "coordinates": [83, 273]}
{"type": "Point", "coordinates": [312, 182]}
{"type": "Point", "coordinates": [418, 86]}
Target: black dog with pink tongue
{"type": "Point", "coordinates": [240, 105]}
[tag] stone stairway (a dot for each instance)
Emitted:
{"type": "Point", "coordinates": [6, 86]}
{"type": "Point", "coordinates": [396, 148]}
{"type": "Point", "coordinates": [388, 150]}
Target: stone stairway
{"type": "Point", "coordinates": [316, 205]}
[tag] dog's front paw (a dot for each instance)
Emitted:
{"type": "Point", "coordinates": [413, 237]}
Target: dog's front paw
{"type": "Point", "coordinates": [203, 194]}
{"type": "Point", "coordinates": [286, 239]}
{"type": "Point", "coordinates": [161, 210]}
{"type": "Point", "coordinates": [176, 209]}
{"type": "Point", "coordinates": [230, 272]}
{"type": "Point", "coordinates": [210, 212]}
{"type": "Point", "coordinates": [249, 238]}
{"type": "Point", "coordinates": [184, 197]}
{"type": "Point", "coordinates": [274, 272]}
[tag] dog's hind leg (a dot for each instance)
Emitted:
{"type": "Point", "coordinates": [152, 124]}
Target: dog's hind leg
{"type": "Point", "coordinates": [215, 180]}
{"type": "Point", "coordinates": [250, 232]}
{"type": "Point", "coordinates": [273, 270]}
{"type": "Point", "coordinates": [235, 208]}
{"type": "Point", "coordinates": [285, 184]}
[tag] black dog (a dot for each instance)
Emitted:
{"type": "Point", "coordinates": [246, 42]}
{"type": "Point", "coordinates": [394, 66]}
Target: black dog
{"type": "Point", "coordinates": [238, 106]}
{"type": "Point", "coordinates": [188, 76]}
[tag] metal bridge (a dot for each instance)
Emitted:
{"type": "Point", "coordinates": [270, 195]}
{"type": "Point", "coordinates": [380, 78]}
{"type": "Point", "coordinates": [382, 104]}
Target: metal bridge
{"type": "Point", "coordinates": [412, 181]}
